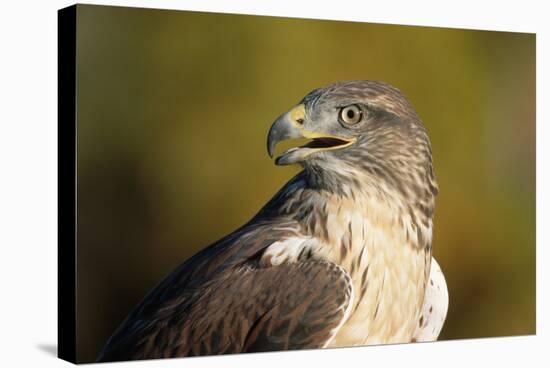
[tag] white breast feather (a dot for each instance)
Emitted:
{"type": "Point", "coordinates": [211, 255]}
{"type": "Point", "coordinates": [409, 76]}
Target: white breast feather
{"type": "Point", "coordinates": [434, 309]}
{"type": "Point", "coordinates": [436, 299]}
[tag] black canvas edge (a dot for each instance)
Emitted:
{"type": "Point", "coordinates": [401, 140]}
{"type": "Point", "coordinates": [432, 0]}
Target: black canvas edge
{"type": "Point", "coordinates": [66, 187]}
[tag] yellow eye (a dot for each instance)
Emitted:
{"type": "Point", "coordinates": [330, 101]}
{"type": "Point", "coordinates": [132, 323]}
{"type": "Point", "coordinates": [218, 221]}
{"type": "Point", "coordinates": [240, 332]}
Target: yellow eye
{"type": "Point", "coordinates": [351, 114]}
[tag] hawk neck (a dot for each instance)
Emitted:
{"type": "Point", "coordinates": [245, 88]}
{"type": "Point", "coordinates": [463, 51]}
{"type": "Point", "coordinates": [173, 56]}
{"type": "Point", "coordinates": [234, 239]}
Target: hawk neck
{"type": "Point", "coordinates": [316, 209]}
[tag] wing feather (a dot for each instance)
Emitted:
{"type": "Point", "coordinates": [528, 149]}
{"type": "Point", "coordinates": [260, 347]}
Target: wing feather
{"type": "Point", "coordinates": [224, 300]}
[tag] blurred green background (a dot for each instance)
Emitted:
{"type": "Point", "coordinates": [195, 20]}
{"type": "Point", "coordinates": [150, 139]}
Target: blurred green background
{"type": "Point", "coordinates": [173, 112]}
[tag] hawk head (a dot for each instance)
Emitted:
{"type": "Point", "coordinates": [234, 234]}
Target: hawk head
{"type": "Point", "coordinates": [357, 131]}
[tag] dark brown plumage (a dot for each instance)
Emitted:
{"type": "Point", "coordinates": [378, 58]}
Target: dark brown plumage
{"type": "Point", "coordinates": [216, 303]}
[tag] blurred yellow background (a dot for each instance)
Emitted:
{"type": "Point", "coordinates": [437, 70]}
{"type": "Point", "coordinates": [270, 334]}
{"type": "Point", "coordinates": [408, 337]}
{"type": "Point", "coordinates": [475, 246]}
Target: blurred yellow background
{"type": "Point", "coordinates": [173, 113]}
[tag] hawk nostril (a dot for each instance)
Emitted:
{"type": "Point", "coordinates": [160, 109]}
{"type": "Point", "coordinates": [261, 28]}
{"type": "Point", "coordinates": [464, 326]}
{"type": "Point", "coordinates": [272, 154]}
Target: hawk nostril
{"type": "Point", "coordinates": [300, 121]}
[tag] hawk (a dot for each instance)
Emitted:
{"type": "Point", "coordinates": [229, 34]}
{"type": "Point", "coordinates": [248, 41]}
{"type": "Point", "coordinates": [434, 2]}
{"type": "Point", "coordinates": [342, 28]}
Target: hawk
{"type": "Point", "coordinates": [340, 256]}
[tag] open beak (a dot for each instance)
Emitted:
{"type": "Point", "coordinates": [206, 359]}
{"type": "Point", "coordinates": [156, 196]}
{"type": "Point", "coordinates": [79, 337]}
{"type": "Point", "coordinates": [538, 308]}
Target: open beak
{"type": "Point", "coordinates": [291, 126]}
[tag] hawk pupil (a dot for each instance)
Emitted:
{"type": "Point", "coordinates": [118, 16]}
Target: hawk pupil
{"type": "Point", "coordinates": [351, 114]}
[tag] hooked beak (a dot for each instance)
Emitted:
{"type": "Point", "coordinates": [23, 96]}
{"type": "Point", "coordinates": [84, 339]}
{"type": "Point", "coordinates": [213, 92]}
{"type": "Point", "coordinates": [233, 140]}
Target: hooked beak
{"type": "Point", "coordinates": [290, 125]}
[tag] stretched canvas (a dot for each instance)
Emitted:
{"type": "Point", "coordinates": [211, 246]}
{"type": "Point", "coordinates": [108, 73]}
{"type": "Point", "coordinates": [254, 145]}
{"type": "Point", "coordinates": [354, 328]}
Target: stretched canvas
{"type": "Point", "coordinates": [236, 183]}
